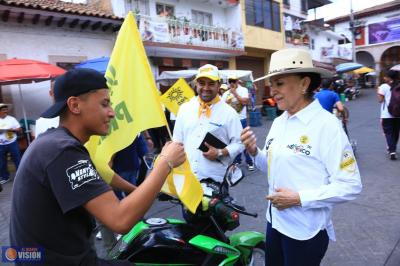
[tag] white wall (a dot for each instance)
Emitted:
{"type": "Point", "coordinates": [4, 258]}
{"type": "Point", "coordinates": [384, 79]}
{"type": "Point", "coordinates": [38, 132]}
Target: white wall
{"type": "Point", "coordinates": [38, 43]}
{"type": "Point", "coordinates": [295, 9]}
{"type": "Point", "coordinates": [118, 7]}
{"type": "Point", "coordinates": [233, 18]}
{"type": "Point", "coordinates": [323, 39]}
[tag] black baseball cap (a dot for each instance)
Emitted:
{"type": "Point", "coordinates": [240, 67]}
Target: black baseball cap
{"type": "Point", "coordinates": [74, 83]}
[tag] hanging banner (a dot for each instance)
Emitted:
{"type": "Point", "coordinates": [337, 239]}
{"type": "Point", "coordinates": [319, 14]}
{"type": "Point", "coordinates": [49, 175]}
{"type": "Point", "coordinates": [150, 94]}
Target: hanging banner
{"type": "Point", "coordinates": [154, 31]}
{"type": "Point", "coordinates": [384, 31]}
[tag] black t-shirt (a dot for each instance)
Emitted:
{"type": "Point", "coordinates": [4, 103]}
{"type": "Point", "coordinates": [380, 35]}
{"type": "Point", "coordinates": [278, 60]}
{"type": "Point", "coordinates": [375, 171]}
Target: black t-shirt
{"type": "Point", "coordinates": [54, 180]}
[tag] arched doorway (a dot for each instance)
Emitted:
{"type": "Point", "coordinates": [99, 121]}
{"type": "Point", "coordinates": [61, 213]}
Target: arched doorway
{"type": "Point", "coordinates": [390, 58]}
{"type": "Point", "coordinates": [366, 59]}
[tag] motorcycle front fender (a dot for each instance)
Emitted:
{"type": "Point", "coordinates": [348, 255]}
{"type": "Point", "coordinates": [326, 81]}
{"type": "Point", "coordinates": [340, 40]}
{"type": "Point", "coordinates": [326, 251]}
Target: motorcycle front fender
{"type": "Point", "coordinates": [246, 239]}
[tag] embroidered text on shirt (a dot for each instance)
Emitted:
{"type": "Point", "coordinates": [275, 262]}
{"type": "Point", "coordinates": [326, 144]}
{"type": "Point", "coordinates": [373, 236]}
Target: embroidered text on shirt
{"type": "Point", "coordinates": [81, 173]}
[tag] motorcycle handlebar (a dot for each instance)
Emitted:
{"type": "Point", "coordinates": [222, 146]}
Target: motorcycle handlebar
{"type": "Point", "coordinates": [220, 208]}
{"type": "Point", "coordinates": [226, 208]}
{"type": "Point", "coordinates": [242, 210]}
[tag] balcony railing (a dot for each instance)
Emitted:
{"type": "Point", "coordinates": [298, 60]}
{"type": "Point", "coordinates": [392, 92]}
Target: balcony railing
{"type": "Point", "coordinates": [182, 31]}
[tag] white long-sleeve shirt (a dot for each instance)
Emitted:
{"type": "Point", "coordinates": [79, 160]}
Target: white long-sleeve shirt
{"type": "Point", "coordinates": [309, 152]}
{"type": "Point", "coordinates": [190, 129]}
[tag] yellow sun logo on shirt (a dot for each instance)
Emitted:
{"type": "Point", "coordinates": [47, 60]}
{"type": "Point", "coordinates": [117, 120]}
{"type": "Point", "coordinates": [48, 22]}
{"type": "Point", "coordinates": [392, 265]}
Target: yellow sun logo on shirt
{"type": "Point", "coordinates": [304, 139]}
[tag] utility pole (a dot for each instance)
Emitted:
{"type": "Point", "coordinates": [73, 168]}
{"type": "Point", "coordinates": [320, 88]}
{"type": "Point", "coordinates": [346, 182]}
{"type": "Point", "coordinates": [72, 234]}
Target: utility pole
{"type": "Point", "coordinates": [353, 32]}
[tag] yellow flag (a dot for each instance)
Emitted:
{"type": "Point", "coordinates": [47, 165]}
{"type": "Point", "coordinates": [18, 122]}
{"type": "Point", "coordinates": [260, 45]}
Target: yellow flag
{"type": "Point", "coordinates": [183, 183]}
{"type": "Point", "coordinates": [133, 93]}
{"type": "Point", "coordinates": [137, 106]}
{"type": "Point", "coordinates": [175, 96]}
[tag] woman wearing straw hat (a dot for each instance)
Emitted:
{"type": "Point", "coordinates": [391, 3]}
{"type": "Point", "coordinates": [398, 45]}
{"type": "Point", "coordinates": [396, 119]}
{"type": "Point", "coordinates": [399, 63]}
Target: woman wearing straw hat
{"type": "Point", "coordinates": [309, 162]}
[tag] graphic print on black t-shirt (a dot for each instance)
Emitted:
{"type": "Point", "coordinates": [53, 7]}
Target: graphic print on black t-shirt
{"type": "Point", "coordinates": [81, 173]}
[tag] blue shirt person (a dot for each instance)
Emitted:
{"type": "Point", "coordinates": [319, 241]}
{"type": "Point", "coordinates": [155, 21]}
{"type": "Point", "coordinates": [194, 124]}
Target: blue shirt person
{"type": "Point", "coordinates": [328, 98]}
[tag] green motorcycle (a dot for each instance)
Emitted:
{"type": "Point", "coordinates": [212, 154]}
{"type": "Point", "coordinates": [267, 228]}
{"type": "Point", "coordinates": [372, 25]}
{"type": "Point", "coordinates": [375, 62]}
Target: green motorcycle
{"type": "Point", "coordinates": [199, 241]}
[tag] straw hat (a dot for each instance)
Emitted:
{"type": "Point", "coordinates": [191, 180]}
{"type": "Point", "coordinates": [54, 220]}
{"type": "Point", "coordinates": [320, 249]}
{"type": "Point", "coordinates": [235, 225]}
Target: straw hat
{"type": "Point", "coordinates": [293, 60]}
{"type": "Point", "coordinates": [224, 87]}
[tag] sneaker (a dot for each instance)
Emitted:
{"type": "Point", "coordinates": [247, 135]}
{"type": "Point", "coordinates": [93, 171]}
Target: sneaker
{"type": "Point", "coordinates": [393, 156]}
{"type": "Point", "coordinates": [99, 236]}
{"type": "Point", "coordinates": [3, 181]}
{"type": "Point", "coordinates": [251, 167]}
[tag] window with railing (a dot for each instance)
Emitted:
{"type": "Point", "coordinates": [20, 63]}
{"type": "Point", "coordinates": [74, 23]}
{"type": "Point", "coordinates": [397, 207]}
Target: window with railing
{"type": "Point", "coordinates": [263, 13]}
{"type": "Point", "coordinates": [200, 17]}
{"type": "Point", "coordinates": [165, 10]}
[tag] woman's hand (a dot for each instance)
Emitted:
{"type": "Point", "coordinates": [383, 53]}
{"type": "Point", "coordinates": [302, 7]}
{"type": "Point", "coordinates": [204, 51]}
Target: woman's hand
{"type": "Point", "coordinates": [284, 198]}
{"type": "Point", "coordinates": [249, 140]}
{"type": "Point", "coordinates": [174, 153]}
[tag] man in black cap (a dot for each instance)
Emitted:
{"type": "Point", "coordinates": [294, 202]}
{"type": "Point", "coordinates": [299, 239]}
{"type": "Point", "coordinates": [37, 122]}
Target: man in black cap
{"type": "Point", "coordinates": [57, 189]}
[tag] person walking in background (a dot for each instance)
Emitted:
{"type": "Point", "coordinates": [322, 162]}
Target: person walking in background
{"type": "Point", "coordinates": [328, 98]}
{"type": "Point", "coordinates": [9, 127]}
{"type": "Point", "coordinates": [309, 162]}
{"type": "Point", "coordinates": [390, 124]}
{"type": "Point", "coordinates": [238, 98]}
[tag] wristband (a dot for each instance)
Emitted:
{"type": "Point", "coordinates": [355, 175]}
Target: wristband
{"type": "Point", "coordinates": [170, 165]}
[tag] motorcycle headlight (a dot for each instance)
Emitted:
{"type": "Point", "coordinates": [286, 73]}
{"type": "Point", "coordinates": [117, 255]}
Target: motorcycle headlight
{"type": "Point", "coordinates": [224, 250]}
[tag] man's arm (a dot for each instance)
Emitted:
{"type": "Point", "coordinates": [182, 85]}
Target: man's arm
{"type": "Point", "coordinates": [380, 93]}
{"type": "Point", "coordinates": [243, 100]}
{"type": "Point", "coordinates": [339, 106]}
{"type": "Point", "coordinates": [118, 183]}
{"type": "Point", "coordinates": [120, 216]}
{"type": "Point", "coordinates": [381, 98]}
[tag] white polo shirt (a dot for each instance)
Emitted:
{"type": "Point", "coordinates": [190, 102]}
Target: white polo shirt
{"type": "Point", "coordinates": [234, 102]}
{"type": "Point", "coordinates": [309, 152]}
{"type": "Point", "coordinates": [385, 91]}
{"type": "Point", "coordinates": [189, 129]}
{"type": "Point", "coordinates": [7, 137]}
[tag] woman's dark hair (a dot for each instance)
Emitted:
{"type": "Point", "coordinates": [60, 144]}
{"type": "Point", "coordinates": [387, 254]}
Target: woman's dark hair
{"type": "Point", "coordinates": [314, 84]}
{"type": "Point", "coordinates": [394, 76]}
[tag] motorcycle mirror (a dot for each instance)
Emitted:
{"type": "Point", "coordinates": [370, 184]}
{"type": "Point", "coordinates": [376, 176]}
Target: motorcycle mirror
{"type": "Point", "coordinates": [233, 175]}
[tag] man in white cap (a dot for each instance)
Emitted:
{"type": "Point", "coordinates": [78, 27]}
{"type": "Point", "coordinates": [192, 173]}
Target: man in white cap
{"type": "Point", "coordinates": [207, 113]}
{"type": "Point", "coordinates": [9, 127]}
{"type": "Point", "coordinates": [238, 97]}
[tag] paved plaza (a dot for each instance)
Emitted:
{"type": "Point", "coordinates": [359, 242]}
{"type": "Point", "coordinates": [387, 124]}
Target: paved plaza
{"type": "Point", "coordinates": [367, 229]}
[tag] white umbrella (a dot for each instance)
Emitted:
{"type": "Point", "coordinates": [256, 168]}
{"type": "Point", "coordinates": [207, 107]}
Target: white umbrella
{"type": "Point", "coordinates": [395, 68]}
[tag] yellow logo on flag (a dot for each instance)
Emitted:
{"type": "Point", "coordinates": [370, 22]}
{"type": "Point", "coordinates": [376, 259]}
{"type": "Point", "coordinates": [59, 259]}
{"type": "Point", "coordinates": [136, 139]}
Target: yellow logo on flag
{"type": "Point", "coordinates": [175, 96]}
